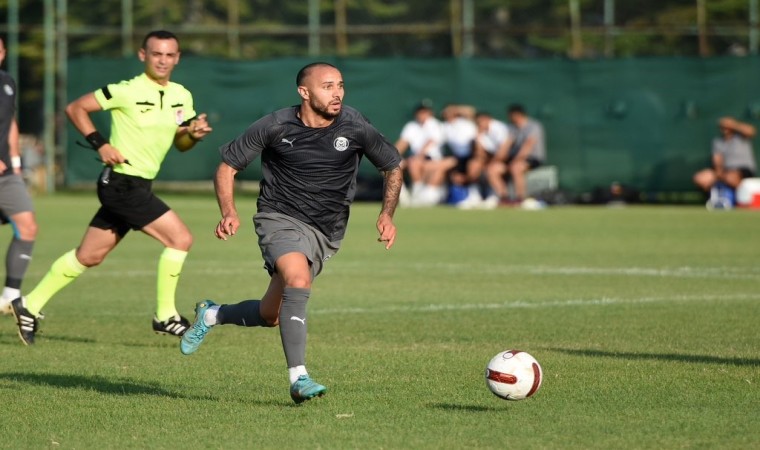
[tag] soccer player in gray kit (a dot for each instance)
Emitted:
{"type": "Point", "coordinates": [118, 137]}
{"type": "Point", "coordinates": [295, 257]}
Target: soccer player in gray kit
{"type": "Point", "coordinates": [310, 156]}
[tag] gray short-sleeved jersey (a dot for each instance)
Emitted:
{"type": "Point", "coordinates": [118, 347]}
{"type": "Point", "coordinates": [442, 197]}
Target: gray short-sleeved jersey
{"type": "Point", "coordinates": [531, 129]}
{"type": "Point", "coordinates": [736, 152]}
{"type": "Point", "coordinates": [7, 112]}
{"type": "Point", "coordinates": [310, 173]}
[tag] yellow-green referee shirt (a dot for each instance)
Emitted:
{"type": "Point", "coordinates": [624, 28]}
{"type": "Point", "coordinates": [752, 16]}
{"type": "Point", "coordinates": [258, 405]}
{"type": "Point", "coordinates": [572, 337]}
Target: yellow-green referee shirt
{"type": "Point", "coordinates": [144, 120]}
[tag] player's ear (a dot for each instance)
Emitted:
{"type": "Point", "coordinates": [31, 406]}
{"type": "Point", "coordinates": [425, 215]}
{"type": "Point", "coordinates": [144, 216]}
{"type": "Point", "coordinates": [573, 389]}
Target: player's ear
{"type": "Point", "coordinates": [303, 92]}
{"type": "Point", "coordinates": [141, 54]}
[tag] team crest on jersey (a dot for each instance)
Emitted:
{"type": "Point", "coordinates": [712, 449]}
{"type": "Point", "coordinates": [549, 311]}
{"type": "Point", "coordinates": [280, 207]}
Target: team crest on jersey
{"type": "Point", "coordinates": [340, 144]}
{"type": "Point", "coordinates": [8, 89]}
{"type": "Point", "coordinates": [179, 116]}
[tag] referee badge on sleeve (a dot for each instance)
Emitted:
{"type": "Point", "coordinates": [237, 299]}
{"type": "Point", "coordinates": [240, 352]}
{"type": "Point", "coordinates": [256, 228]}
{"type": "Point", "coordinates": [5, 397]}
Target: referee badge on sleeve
{"type": "Point", "coordinates": [179, 116]}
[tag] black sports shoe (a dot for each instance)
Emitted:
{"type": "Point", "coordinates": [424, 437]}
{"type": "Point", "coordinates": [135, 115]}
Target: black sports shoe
{"type": "Point", "coordinates": [26, 321]}
{"type": "Point", "coordinates": [174, 326]}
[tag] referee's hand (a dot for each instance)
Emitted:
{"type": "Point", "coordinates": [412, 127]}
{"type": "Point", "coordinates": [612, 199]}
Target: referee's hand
{"type": "Point", "coordinates": [199, 127]}
{"type": "Point", "coordinates": [227, 226]}
{"type": "Point", "coordinates": [110, 155]}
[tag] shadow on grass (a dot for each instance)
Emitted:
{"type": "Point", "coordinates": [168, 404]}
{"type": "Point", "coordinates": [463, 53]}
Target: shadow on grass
{"type": "Point", "coordinates": [462, 407]}
{"type": "Point", "coordinates": [80, 340]}
{"type": "Point", "coordinates": [172, 343]}
{"type": "Point", "coordinates": [703, 359]}
{"type": "Point", "coordinates": [159, 342]}
{"type": "Point", "coordinates": [119, 386]}
{"type": "Point", "coordinates": [96, 383]}
{"type": "Point", "coordinates": [9, 339]}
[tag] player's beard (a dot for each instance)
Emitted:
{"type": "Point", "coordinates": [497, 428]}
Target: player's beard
{"type": "Point", "coordinates": [323, 110]}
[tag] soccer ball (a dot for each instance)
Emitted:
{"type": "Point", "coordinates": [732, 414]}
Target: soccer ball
{"type": "Point", "coordinates": [513, 375]}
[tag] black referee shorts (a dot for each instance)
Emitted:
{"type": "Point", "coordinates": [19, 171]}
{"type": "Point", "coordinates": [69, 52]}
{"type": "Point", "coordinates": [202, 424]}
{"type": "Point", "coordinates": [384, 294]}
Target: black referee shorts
{"type": "Point", "coordinates": [127, 202]}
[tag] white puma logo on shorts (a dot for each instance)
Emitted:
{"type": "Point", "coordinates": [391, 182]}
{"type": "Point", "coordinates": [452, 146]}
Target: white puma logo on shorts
{"type": "Point", "coordinates": [303, 321]}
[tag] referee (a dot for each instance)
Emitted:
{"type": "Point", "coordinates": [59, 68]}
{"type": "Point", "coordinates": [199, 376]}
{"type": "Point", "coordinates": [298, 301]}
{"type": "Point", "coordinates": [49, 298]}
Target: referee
{"type": "Point", "coordinates": [310, 156]}
{"type": "Point", "coordinates": [148, 114]}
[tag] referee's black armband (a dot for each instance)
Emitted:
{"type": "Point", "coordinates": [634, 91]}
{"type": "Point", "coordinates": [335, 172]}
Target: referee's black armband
{"type": "Point", "coordinates": [96, 140]}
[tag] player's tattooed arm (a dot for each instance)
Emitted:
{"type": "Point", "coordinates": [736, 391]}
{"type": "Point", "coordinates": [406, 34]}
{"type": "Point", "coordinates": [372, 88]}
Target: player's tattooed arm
{"type": "Point", "coordinates": [392, 189]}
{"type": "Point", "coordinates": [385, 226]}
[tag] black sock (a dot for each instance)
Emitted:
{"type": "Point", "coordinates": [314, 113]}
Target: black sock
{"type": "Point", "coordinates": [245, 314]}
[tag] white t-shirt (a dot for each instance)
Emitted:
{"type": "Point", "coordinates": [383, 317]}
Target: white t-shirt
{"type": "Point", "coordinates": [494, 137]}
{"type": "Point", "coordinates": [419, 135]}
{"type": "Point", "coordinates": [460, 133]}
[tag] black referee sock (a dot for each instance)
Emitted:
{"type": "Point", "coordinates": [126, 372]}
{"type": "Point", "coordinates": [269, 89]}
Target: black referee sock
{"type": "Point", "coordinates": [245, 314]}
{"type": "Point", "coordinates": [293, 325]}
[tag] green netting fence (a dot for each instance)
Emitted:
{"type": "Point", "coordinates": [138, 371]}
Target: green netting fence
{"type": "Point", "coordinates": [646, 123]}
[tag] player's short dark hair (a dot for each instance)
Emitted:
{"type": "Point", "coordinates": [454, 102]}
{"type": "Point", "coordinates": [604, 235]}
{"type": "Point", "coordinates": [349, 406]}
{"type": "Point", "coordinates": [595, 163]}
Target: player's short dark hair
{"type": "Point", "coordinates": [516, 108]}
{"type": "Point", "coordinates": [480, 114]}
{"type": "Point", "coordinates": [158, 34]}
{"type": "Point", "coordinates": [306, 70]}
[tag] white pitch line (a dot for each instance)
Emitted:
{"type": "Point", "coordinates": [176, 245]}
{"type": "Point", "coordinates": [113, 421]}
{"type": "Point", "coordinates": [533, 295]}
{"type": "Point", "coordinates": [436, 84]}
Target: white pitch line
{"type": "Point", "coordinates": [462, 268]}
{"type": "Point", "coordinates": [679, 272]}
{"type": "Point", "coordinates": [495, 269]}
{"type": "Point", "coordinates": [447, 307]}
{"type": "Point", "coordinates": [603, 301]}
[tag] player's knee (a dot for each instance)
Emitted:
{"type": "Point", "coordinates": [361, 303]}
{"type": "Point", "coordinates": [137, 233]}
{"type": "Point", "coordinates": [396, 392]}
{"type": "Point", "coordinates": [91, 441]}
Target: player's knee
{"type": "Point", "coordinates": [299, 279]}
{"type": "Point", "coordinates": [299, 282]}
{"type": "Point", "coordinates": [27, 231]}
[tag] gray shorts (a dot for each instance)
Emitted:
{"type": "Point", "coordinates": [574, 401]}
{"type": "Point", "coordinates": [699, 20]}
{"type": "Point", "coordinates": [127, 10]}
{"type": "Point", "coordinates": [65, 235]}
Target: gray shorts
{"type": "Point", "coordinates": [280, 234]}
{"type": "Point", "coordinates": [14, 198]}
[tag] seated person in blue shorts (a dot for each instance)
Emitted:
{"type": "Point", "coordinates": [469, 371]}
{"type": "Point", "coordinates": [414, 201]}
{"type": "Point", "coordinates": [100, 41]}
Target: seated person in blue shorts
{"type": "Point", "coordinates": [732, 156]}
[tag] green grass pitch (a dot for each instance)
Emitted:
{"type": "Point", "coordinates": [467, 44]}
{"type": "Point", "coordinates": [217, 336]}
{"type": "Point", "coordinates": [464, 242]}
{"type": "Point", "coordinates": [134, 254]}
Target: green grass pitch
{"type": "Point", "coordinates": [645, 321]}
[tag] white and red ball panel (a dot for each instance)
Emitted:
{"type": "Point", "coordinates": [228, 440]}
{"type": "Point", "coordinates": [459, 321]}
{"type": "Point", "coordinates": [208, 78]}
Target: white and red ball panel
{"type": "Point", "coordinates": [513, 375]}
